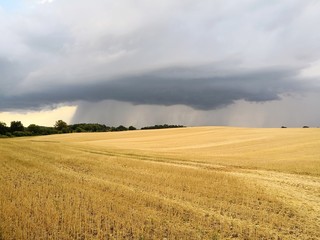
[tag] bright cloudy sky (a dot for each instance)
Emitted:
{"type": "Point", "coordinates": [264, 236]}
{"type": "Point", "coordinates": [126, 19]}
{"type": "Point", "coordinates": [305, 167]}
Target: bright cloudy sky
{"type": "Point", "coordinates": [212, 62]}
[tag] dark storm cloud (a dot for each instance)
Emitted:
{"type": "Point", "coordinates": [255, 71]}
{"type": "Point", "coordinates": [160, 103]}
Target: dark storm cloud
{"type": "Point", "coordinates": [192, 87]}
{"type": "Point", "coordinates": [205, 93]}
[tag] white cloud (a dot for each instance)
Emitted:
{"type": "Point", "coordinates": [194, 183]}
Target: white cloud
{"type": "Point", "coordinates": [45, 1]}
{"type": "Point", "coordinates": [312, 71]}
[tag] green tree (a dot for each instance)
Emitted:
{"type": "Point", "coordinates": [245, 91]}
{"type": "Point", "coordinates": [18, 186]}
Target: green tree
{"type": "Point", "coordinates": [79, 129]}
{"type": "Point", "coordinates": [121, 128]}
{"type": "Point", "coordinates": [16, 126]}
{"type": "Point", "coordinates": [61, 126]}
{"type": "Point", "coordinates": [34, 129]}
{"type": "Point", "coordinates": [3, 128]}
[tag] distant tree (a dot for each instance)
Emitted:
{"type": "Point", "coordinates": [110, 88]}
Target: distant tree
{"type": "Point", "coordinates": [79, 129]}
{"type": "Point", "coordinates": [16, 126]}
{"type": "Point", "coordinates": [21, 133]}
{"type": "Point", "coordinates": [3, 128]}
{"type": "Point", "coordinates": [283, 127]}
{"type": "Point", "coordinates": [132, 128]}
{"type": "Point", "coordinates": [34, 129]}
{"type": "Point", "coordinates": [61, 126]}
{"type": "Point", "coordinates": [162, 126]}
{"type": "Point", "coordinates": [121, 128]}
{"type": "Point", "coordinates": [49, 130]}
{"type": "Point", "coordinates": [305, 127]}
{"type": "Point", "coordinates": [89, 127]}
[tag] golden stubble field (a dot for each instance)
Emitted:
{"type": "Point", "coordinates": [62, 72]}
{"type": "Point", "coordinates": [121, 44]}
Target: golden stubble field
{"type": "Point", "coordinates": [190, 183]}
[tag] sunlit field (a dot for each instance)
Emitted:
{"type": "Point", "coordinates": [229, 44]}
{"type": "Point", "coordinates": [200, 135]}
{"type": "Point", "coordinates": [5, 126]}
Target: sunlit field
{"type": "Point", "coordinates": [189, 183]}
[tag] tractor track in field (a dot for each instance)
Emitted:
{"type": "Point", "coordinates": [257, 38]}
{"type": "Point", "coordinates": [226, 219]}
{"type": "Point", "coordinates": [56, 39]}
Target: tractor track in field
{"type": "Point", "coordinates": [300, 191]}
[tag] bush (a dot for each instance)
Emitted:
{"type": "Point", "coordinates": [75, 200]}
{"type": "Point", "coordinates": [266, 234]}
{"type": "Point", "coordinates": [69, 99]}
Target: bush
{"type": "Point", "coordinates": [21, 134]}
{"type": "Point", "coordinates": [8, 134]}
{"type": "Point", "coordinates": [79, 129]}
{"type": "Point", "coordinates": [121, 128]}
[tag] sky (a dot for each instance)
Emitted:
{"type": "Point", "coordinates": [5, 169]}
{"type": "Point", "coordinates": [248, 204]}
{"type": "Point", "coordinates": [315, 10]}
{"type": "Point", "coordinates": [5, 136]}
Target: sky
{"type": "Point", "coordinates": [250, 63]}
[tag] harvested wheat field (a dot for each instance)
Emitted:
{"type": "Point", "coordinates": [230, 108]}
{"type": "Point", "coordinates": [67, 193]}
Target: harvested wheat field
{"type": "Point", "coordinates": [189, 183]}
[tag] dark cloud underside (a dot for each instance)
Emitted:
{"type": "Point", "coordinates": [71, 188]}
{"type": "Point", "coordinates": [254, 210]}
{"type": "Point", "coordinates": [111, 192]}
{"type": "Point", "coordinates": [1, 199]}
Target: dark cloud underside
{"type": "Point", "coordinates": [158, 88]}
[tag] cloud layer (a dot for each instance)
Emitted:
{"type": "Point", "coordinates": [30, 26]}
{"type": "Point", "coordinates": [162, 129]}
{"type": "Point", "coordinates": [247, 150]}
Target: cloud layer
{"type": "Point", "coordinates": [199, 88]}
{"type": "Point", "coordinates": [202, 54]}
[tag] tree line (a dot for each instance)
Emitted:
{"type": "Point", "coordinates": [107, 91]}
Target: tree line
{"type": "Point", "coordinates": [16, 128]}
{"type": "Point", "coordinates": [162, 126]}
